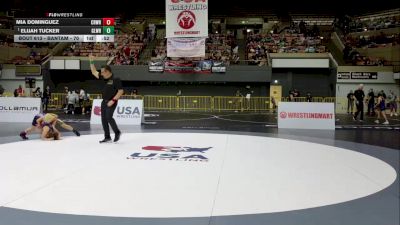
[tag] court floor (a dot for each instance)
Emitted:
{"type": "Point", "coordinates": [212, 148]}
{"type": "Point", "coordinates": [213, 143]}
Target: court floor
{"type": "Point", "coordinates": [202, 168]}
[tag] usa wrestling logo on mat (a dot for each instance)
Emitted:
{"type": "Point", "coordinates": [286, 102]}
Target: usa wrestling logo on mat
{"type": "Point", "coordinates": [171, 153]}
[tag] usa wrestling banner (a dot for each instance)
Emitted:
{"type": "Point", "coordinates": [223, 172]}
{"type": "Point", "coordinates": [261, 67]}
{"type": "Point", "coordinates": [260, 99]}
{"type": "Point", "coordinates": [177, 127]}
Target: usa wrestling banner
{"type": "Point", "coordinates": [186, 18]}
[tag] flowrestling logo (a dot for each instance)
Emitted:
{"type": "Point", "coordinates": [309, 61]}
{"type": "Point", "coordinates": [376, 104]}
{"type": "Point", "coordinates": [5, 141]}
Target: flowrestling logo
{"type": "Point", "coordinates": [302, 115]}
{"type": "Point", "coordinates": [171, 153]}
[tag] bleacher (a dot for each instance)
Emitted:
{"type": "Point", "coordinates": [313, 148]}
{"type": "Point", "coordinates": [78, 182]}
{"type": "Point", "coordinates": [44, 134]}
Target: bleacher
{"type": "Point", "coordinates": [124, 51]}
{"type": "Point", "coordinates": [19, 53]}
{"type": "Point", "coordinates": [370, 39]}
{"type": "Point", "coordinates": [220, 47]}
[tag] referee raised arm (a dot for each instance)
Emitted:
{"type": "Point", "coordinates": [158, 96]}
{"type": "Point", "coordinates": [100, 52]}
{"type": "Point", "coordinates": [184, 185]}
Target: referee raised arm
{"type": "Point", "coordinates": [112, 91]}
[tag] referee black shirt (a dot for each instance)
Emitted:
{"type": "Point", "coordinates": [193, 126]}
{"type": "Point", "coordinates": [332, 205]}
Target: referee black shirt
{"type": "Point", "coordinates": [111, 87]}
{"type": "Point", "coordinates": [359, 95]}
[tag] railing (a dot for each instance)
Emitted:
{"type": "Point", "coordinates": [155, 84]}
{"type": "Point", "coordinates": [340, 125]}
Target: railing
{"type": "Point", "coordinates": [396, 66]}
{"type": "Point", "coordinates": [205, 103]}
{"type": "Point", "coordinates": [197, 103]}
{"type": "Point", "coordinates": [59, 100]}
{"type": "Point", "coordinates": [8, 94]}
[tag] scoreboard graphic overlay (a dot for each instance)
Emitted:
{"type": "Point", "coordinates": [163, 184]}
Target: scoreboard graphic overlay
{"type": "Point", "coordinates": [64, 30]}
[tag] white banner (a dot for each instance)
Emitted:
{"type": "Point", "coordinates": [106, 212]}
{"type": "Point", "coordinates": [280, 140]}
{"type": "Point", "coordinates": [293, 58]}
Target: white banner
{"type": "Point", "coordinates": [300, 63]}
{"type": "Point", "coordinates": [187, 18]}
{"type": "Point", "coordinates": [19, 109]}
{"type": "Point", "coordinates": [128, 112]}
{"type": "Point", "coordinates": [186, 47]}
{"type": "Point", "coordinates": [306, 115]}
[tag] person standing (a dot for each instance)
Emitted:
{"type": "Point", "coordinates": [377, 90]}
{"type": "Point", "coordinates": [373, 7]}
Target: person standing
{"type": "Point", "coordinates": [380, 109]}
{"type": "Point", "coordinates": [238, 101]}
{"type": "Point", "coordinates": [37, 93]}
{"type": "Point", "coordinates": [308, 97]}
{"type": "Point", "coordinates": [392, 98]}
{"type": "Point", "coordinates": [359, 96]}
{"type": "Point", "coordinates": [249, 92]}
{"type": "Point", "coordinates": [112, 91]}
{"type": "Point", "coordinates": [73, 100]}
{"type": "Point", "coordinates": [81, 97]}
{"type": "Point", "coordinates": [135, 93]}
{"type": "Point", "coordinates": [46, 98]}
{"type": "Point", "coordinates": [66, 92]}
{"type": "Point", "coordinates": [1, 90]}
{"type": "Point", "coordinates": [371, 102]}
{"type": "Point", "coordinates": [20, 91]}
{"type": "Point", "coordinates": [350, 102]}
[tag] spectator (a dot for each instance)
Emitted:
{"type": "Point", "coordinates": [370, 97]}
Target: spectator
{"type": "Point", "coordinates": [86, 103]}
{"type": "Point", "coordinates": [274, 104]}
{"type": "Point", "coordinates": [288, 41]}
{"type": "Point", "coordinates": [46, 98]}
{"type": "Point", "coordinates": [382, 92]}
{"type": "Point", "coordinates": [66, 92]}
{"type": "Point", "coordinates": [1, 91]}
{"type": "Point", "coordinates": [16, 93]}
{"type": "Point", "coordinates": [248, 97]}
{"type": "Point", "coordinates": [20, 91]}
{"type": "Point", "coordinates": [350, 102]}
{"type": "Point", "coordinates": [134, 93]}
{"type": "Point", "coordinates": [37, 93]}
{"type": "Point", "coordinates": [73, 100]}
{"type": "Point", "coordinates": [392, 99]}
{"type": "Point", "coordinates": [296, 93]}
{"type": "Point", "coordinates": [308, 97]}
{"type": "Point", "coordinates": [371, 102]}
{"type": "Point", "coordinates": [238, 100]}
{"type": "Point", "coordinates": [291, 97]}
{"type": "Point", "coordinates": [82, 95]}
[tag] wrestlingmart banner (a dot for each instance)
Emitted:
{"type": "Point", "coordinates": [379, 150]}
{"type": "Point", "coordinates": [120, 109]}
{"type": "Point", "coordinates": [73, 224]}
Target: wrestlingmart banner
{"type": "Point", "coordinates": [186, 47]}
{"type": "Point", "coordinates": [306, 115]}
{"type": "Point", "coordinates": [187, 18]}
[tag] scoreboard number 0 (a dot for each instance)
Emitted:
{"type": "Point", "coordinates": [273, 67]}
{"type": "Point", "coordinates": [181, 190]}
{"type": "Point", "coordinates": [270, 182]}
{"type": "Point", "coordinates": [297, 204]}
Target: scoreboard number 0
{"type": "Point", "coordinates": [108, 30]}
{"type": "Point", "coordinates": [108, 21]}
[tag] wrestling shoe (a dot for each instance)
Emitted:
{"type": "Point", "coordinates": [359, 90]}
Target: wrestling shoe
{"type": "Point", "coordinates": [76, 132]}
{"type": "Point", "coordinates": [117, 136]}
{"type": "Point", "coordinates": [105, 140]}
{"type": "Point", "coordinates": [386, 123]}
{"type": "Point", "coordinates": [23, 135]}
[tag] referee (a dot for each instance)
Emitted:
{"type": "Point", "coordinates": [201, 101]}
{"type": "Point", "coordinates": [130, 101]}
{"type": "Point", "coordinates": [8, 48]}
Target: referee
{"type": "Point", "coordinates": [359, 95]}
{"type": "Point", "coordinates": [112, 91]}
